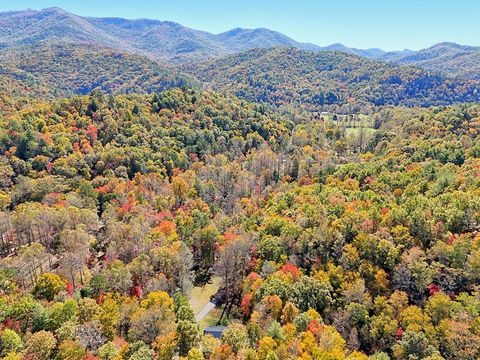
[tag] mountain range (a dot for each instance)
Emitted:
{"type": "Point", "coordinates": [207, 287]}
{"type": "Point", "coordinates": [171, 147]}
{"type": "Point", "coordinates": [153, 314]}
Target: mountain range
{"type": "Point", "coordinates": [161, 40]}
{"type": "Point", "coordinates": [171, 42]}
{"type": "Point", "coordinates": [52, 53]}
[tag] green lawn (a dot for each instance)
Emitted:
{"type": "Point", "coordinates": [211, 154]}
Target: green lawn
{"type": "Point", "coordinates": [342, 120]}
{"type": "Point", "coordinates": [200, 295]}
{"type": "Point", "coordinates": [355, 131]}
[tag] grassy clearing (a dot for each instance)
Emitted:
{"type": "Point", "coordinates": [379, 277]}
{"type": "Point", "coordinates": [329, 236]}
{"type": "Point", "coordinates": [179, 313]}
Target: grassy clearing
{"type": "Point", "coordinates": [200, 296]}
{"type": "Point", "coordinates": [350, 121]}
{"type": "Point", "coordinates": [356, 130]}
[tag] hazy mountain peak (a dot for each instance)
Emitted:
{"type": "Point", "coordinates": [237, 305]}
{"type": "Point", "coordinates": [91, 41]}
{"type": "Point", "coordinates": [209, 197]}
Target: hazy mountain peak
{"type": "Point", "coordinates": [55, 10]}
{"type": "Point", "coordinates": [447, 44]}
{"type": "Point", "coordinates": [371, 53]}
{"type": "Point", "coordinates": [448, 58]}
{"type": "Point", "coordinates": [163, 40]}
{"type": "Point", "coordinates": [172, 42]}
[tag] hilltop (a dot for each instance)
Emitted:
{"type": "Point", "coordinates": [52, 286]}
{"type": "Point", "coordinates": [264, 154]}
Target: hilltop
{"type": "Point", "coordinates": [281, 76]}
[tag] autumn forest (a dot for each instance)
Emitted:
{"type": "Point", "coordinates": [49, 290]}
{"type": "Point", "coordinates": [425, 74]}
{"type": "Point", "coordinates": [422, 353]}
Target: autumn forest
{"type": "Point", "coordinates": [167, 193]}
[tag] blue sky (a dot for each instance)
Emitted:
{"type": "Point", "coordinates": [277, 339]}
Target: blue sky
{"type": "Point", "coordinates": [388, 24]}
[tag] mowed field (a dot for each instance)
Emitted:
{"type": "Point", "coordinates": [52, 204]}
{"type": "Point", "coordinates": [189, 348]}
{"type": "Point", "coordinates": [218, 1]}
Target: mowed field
{"type": "Point", "coordinates": [200, 296]}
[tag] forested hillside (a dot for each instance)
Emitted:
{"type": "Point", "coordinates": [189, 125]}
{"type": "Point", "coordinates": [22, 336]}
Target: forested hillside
{"type": "Point", "coordinates": [61, 70]}
{"type": "Point", "coordinates": [288, 76]}
{"type": "Point", "coordinates": [285, 77]}
{"type": "Point", "coordinates": [139, 197]}
{"type": "Point", "coordinates": [52, 53]}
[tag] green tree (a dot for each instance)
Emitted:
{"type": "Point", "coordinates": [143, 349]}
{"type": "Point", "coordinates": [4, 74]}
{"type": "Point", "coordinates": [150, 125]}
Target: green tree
{"type": "Point", "coordinates": [41, 345]}
{"type": "Point", "coordinates": [144, 353]}
{"type": "Point", "coordinates": [311, 293]}
{"type": "Point", "coordinates": [10, 341]}
{"type": "Point", "coordinates": [108, 351]}
{"type": "Point", "coordinates": [236, 337]}
{"type": "Point", "coordinates": [118, 277]}
{"type": "Point", "coordinates": [188, 336]}
{"type": "Point", "coordinates": [414, 345]}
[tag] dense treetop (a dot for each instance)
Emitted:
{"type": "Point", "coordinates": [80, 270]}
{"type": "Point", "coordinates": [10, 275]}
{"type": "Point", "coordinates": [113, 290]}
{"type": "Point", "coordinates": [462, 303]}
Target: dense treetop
{"type": "Point", "coordinates": [138, 197]}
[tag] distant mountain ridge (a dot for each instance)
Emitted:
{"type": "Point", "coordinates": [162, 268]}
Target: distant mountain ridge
{"type": "Point", "coordinates": [368, 53]}
{"type": "Point", "coordinates": [171, 42]}
{"type": "Point", "coordinates": [448, 58]}
{"type": "Point", "coordinates": [160, 40]}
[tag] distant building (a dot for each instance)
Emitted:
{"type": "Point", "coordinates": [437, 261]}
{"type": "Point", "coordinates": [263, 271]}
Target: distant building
{"type": "Point", "coordinates": [215, 331]}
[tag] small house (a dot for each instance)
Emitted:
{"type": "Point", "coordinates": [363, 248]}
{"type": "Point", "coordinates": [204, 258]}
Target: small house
{"type": "Point", "coordinates": [215, 331]}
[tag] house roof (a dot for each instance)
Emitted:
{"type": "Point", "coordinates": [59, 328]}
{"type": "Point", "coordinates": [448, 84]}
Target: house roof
{"type": "Point", "coordinates": [216, 328]}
